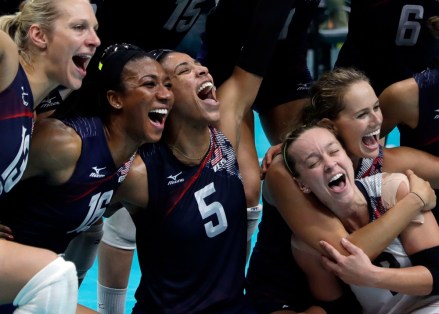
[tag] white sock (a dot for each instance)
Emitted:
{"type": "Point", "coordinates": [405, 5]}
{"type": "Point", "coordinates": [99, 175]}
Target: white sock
{"type": "Point", "coordinates": [253, 215]}
{"type": "Point", "coordinates": [53, 290]}
{"type": "Point", "coordinates": [110, 300]}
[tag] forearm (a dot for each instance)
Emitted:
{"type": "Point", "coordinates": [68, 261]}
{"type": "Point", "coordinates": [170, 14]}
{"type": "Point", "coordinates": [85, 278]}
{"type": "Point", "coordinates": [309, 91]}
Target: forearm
{"type": "Point", "coordinates": [376, 236]}
{"type": "Point", "coordinates": [416, 280]}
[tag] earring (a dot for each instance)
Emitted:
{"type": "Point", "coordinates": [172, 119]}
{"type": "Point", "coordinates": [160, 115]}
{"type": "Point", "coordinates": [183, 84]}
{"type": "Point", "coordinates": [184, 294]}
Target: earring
{"type": "Point", "coordinates": [306, 189]}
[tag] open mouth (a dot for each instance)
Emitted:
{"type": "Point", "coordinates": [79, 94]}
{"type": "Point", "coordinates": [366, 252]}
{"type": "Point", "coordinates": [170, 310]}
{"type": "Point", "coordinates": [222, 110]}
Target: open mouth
{"type": "Point", "coordinates": [81, 61]}
{"type": "Point", "coordinates": [158, 115]}
{"type": "Point", "coordinates": [206, 91]}
{"type": "Point", "coordinates": [337, 182]}
{"type": "Point", "coordinates": [371, 139]}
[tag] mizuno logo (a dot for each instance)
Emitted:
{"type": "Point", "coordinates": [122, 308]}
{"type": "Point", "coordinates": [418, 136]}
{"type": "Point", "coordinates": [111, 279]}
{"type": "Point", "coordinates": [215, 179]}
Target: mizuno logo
{"type": "Point", "coordinates": [173, 179]}
{"type": "Point", "coordinates": [96, 173]}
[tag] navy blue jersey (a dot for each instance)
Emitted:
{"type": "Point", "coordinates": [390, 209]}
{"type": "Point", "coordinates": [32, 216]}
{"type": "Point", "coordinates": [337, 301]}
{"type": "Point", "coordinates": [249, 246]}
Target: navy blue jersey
{"type": "Point", "coordinates": [164, 24]}
{"type": "Point", "coordinates": [389, 40]}
{"type": "Point", "coordinates": [274, 281]}
{"type": "Point", "coordinates": [221, 53]}
{"type": "Point", "coordinates": [425, 136]}
{"type": "Point", "coordinates": [191, 239]}
{"type": "Point", "coordinates": [16, 124]}
{"type": "Point", "coordinates": [48, 216]}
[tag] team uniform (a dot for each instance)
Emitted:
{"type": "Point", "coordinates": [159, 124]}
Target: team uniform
{"type": "Point", "coordinates": [383, 301]}
{"type": "Point", "coordinates": [222, 53]}
{"type": "Point", "coordinates": [173, 24]}
{"type": "Point", "coordinates": [274, 281]}
{"type": "Point", "coordinates": [48, 216]}
{"type": "Point", "coordinates": [191, 239]}
{"type": "Point", "coordinates": [396, 33]}
{"type": "Point", "coordinates": [16, 125]}
{"type": "Point", "coordinates": [425, 136]}
{"type": "Point", "coordinates": [176, 25]}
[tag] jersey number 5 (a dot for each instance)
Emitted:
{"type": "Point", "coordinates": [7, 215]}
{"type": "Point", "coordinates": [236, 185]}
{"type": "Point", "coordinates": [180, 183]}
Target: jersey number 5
{"type": "Point", "coordinates": [208, 210]}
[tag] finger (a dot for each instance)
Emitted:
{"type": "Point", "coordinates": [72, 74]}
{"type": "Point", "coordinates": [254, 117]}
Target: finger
{"type": "Point", "coordinates": [330, 250]}
{"type": "Point", "coordinates": [328, 264]}
{"type": "Point", "coordinates": [5, 229]}
{"type": "Point", "coordinates": [409, 172]}
{"type": "Point", "coordinates": [349, 246]}
{"type": "Point", "coordinates": [6, 236]}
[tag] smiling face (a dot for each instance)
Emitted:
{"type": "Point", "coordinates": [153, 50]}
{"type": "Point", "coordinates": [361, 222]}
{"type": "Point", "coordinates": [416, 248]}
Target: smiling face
{"type": "Point", "coordinates": [359, 123]}
{"type": "Point", "coordinates": [195, 98]}
{"type": "Point", "coordinates": [71, 43]}
{"type": "Point", "coordinates": [323, 167]}
{"type": "Point", "coordinates": [146, 100]}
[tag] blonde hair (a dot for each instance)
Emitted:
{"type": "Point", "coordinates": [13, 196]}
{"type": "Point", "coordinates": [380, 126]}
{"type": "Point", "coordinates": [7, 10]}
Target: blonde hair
{"type": "Point", "coordinates": [40, 12]}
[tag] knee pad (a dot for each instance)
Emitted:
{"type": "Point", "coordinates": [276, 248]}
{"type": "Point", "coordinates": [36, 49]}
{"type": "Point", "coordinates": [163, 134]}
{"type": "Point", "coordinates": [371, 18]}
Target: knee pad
{"type": "Point", "coordinates": [120, 231]}
{"type": "Point", "coordinates": [253, 215]}
{"type": "Point", "coordinates": [53, 290]}
{"type": "Point", "coordinates": [82, 250]}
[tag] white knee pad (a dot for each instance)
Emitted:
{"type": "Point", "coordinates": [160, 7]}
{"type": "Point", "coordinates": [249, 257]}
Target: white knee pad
{"type": "Point", "coordinates": [82, 250]}
{"type": "Point", "coordinates": [53, 290]}
{"type": "Point", "coordinates": [253, 215]}
{"type": "Point", "coordinates": [120, 231]}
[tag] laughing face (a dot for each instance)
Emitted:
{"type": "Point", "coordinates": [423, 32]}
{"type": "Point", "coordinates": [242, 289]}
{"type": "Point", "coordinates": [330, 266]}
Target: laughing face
{"type": "Point", "coordinates": [323, 167]}
{"type": "Point", "coordinates": [359, 123]}
{"type": "Point", "coordinates": [72, 42]}
{"type": "Point", "coordinates": [146, 100]}
{"type": "Point", "coordinates": [194, 91]}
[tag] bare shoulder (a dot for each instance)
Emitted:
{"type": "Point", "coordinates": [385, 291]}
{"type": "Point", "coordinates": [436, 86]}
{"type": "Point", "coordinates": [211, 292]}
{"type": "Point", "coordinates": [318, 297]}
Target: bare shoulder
{"type": "Point", "coordinates": [134, 190]}
{"type": "Point", "coordinates": [8, 60]}
{"type": "Point", "coordinates": [54, 151]}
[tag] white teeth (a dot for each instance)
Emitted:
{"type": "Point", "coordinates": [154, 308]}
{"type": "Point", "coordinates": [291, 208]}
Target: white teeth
{"type": "Point", "coordinates": [373, 133]}
{"type": "Point", "coordinates": [84, 56]}
{"type": "Point", "coordinates": [160, 111]}
{"type": "Point", "coordinates": [337, 176]}
{"type": "Point", "coordinates": [204, 86]}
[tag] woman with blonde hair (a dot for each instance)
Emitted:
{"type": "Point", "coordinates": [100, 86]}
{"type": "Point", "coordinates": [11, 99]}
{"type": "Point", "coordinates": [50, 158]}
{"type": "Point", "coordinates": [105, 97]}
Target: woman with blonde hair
{"type": "Point", "coordinates": [46, 44]}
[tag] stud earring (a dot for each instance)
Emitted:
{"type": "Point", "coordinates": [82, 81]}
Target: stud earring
{"type": "Point", "coordinates": [306, 189]}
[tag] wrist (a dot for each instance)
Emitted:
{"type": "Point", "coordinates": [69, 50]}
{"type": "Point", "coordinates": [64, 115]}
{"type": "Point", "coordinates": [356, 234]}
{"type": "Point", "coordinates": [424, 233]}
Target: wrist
{"type": "Point", "coordinates": [418, 198]}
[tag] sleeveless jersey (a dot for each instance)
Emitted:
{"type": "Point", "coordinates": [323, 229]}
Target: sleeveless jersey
{"type": "Point", "coordinates": [191, 239]}
{"type": "Point", "coordinates": [48, 216]}
{"type": "Point", "coordinates": [425, 136]}
{"type": "Point", "coordinates": [389, 40]}
{"type": "Point", "coordinates": [16, 124]}
{"type": "Point", "coordinates": [383, 301]}
{"type": "Point", "coordinates": [175, 24]}
{"type": "Point", "coordinates": [273, 274]}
